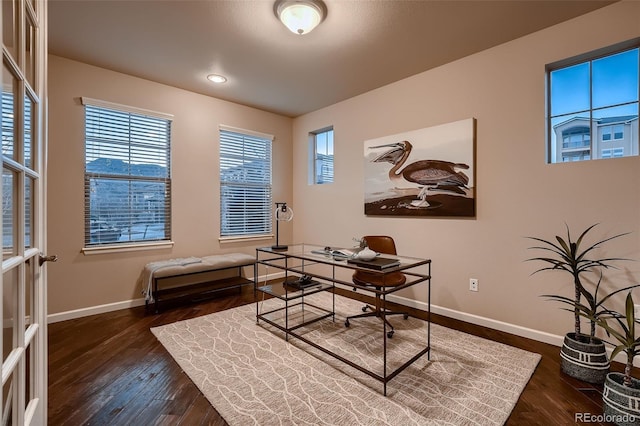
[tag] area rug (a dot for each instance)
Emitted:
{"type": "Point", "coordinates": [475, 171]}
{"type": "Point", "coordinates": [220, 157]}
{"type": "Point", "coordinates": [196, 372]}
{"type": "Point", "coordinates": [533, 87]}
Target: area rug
{"type": "Point", "coordinates": [252, 375]}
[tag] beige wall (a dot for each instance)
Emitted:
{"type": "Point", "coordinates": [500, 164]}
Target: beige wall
{"type": "Point", "coordinates": [77, 281]}
{"type": "Point", "coordinates": [518, 194]}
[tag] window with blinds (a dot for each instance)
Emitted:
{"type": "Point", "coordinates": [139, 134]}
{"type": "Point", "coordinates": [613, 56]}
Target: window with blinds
{"type": "Point", "coordinates": [127, 175]}
{"type": "Point", "coordinates": [245, 184]}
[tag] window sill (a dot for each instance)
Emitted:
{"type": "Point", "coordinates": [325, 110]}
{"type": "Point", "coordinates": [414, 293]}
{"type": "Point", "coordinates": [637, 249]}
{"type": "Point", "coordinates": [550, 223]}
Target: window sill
{"type": "Point", "coordinates": [120, 248]}
{"type": "Point", "coordinates": [237, 239]}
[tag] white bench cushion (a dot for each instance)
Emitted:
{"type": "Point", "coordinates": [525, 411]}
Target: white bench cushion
{"type": "Point", "coordinates": [190, 265]}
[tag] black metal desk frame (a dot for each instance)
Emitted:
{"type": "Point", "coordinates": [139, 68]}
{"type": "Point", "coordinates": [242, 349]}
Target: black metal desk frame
{"type": "Point", "coordinates": [298, 258]}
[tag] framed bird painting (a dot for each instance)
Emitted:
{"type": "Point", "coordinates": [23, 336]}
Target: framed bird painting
{"type": "Point", "coordinates": [425, 172]}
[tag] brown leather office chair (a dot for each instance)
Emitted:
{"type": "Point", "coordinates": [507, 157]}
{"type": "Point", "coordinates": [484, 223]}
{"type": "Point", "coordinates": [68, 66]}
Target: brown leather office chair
{"type": "Point", "coordinates": [380, 244]}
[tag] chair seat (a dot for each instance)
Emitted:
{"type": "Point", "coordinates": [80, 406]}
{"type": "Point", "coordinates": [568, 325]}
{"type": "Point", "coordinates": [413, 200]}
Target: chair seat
{"type": "Point", "coordinates": [382, 244]}
{"type": "Point", "coordinates": [392, 279]}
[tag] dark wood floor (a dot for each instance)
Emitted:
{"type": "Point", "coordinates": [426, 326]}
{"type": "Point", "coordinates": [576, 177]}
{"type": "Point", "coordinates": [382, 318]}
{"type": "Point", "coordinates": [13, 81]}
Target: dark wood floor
{"type": "Point", "coordinates": [109, 369]}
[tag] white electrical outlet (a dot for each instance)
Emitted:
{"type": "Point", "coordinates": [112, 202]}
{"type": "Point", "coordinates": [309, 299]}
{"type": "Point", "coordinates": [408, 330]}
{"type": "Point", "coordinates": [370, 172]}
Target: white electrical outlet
{"type": "Point", "coordinates": [636, 311]}
{"type": "Point", "coordinates": [473, 286]}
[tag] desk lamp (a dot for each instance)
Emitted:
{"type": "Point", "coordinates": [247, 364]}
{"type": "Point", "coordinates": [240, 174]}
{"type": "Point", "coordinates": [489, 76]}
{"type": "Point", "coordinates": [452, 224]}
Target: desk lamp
{"type": "Point", "coordinates": [282, 213]}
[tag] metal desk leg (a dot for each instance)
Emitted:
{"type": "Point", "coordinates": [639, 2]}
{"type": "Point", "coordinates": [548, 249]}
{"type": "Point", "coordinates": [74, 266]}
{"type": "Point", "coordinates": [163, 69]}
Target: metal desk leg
{"type": "Point", "coordinates": [384, 337]}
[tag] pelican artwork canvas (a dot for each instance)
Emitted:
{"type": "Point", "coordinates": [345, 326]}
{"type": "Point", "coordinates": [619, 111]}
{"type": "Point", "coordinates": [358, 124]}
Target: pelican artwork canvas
{"type": "Point", "coordinates": [425, 172]}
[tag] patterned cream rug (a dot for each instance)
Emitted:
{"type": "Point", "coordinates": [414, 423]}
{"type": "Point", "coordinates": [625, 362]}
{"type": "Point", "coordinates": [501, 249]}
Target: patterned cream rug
{"type": "Point", "coordinates": [251, 375]}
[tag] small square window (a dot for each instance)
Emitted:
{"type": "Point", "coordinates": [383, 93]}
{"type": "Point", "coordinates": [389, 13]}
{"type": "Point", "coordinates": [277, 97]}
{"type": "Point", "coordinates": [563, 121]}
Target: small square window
{"type": "Point", "coordinates": [594, 94]}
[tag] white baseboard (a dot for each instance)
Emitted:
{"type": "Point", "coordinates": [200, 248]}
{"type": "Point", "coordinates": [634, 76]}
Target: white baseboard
{"type": "Point", "coordinates": [529, 333]}
{"type": "Point", "coordinates": [110, 307]}
{"type": "Point", "coordinates": [94, 310]}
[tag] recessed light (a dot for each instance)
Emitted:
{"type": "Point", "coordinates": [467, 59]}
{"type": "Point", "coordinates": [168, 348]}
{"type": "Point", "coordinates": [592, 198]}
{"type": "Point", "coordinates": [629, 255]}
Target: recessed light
{"type": "Point", "coordinates": [217, 78]}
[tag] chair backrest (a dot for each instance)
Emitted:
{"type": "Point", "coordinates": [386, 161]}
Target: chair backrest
{"type": "Point", "coordinates": [380, 243]}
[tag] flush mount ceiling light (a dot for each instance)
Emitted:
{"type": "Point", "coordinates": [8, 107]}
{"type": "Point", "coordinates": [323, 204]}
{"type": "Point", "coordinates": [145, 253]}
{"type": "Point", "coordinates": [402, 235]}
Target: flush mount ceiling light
{"type": "Point", "coordinates": [217, 78]}
{"type": "Point", "coordinates": [300, 16]}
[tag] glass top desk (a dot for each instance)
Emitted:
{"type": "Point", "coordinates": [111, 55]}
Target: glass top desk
{"type": "Point", "coordinates": [296, 308]}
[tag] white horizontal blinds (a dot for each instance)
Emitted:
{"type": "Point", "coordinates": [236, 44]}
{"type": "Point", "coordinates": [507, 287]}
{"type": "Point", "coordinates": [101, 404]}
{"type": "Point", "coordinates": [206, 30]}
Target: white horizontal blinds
{"type": "Point", "coordinates": [245, 184]}
{"type": "Point", "coordinates": [7, 124]}
{"type": "Point", "coordinates": [8, 133]}
{"type": "Point", "coordinates": [127, 176]}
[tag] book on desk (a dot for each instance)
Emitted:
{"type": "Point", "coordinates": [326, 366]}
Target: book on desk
{"type": "Point", "coordinates": [377, 263]}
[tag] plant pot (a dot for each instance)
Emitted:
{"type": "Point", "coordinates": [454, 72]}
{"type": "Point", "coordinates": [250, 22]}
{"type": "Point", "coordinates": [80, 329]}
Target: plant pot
{"type": "Point", "coordinates": [584, 359]}
{"type": "Point", "coordinates": [621, 403]}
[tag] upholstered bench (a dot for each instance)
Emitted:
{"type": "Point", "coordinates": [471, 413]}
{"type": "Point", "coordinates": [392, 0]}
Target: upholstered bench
{"type": "Point", "coordinates": [193, 276]}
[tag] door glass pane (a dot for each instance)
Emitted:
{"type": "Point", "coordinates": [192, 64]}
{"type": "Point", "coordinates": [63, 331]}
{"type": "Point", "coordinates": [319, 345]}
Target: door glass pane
{"type": "Point", "coordinates": [9, 27]}
{"type": "Point", "coordinates": [9, 87]}
{"type": "Point", "coordinates": [29, 60]}
{"type": "Point", "coordinates": [29, 296]}
{"type": "Point", "coordinates": [29, 383]}
{"type": "Point", "coordinates": [29, 109]}
{"type": "Point", "coordinates": [7, 391]}
{"type": "Point", "coordinates": [8, 214]}
{"type": "Point", "coordinates": [10, 284]}
{"type": "Point", "coordinates": [28, 211]}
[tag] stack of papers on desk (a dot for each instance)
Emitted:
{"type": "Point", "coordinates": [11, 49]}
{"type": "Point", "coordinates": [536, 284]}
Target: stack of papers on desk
{"type": "Point", "coordinates": [336, 253]}
{"type": "Point", "coordinates": [344, 253]}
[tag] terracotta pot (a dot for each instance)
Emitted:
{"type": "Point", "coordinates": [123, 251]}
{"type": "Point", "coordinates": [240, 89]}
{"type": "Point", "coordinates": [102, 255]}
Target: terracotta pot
{"type": "Point", "coordinates": [621, 403]}
{"type": "Point", "coordinates": [584, 359]}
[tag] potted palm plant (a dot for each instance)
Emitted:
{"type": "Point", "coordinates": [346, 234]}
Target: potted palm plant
{"type": "Point", "coordinates": [583, 356]}
{"type": "Point", "coordinates": [621, 395]}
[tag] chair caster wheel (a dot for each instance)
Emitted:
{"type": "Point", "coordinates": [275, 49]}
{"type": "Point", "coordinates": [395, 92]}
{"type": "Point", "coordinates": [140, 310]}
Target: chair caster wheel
{"type": "Point", "coordinates": [347, 324]}
{"type": "Point", "coordinates": [364, 308]}
{"type": "Point", "coordinates": [389, 334]}
{"type": "Point", "coordinates": [406, 316]}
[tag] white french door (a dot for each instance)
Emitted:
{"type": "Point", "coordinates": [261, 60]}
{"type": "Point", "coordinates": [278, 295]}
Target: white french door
{"type": "Point", "coordinates": [23, 280]}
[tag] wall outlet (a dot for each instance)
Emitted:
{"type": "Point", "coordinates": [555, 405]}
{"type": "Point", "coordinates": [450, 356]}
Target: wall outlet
{"type": "Point", "coordinates": [636, 311]}
{"type": "Point", "coordinates": [473, 286]}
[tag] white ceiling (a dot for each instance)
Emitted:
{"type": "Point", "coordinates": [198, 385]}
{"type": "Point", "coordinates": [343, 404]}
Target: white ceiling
{"type": "Point", "coordinates": [360, 46]}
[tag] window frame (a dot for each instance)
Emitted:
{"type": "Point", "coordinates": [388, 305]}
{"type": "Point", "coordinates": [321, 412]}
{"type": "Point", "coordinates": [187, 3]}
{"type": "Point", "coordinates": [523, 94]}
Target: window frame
{"type": "Point", "coordinates": [263, 228]}
{"type": "Point", "coordinates": [589, 58]}
{"type": "Point", "coordinates": [131, 244]}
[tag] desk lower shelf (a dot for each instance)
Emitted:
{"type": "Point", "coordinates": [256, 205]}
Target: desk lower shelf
{"type": "Point", "coordinates": [287, 292]}
{"type": "Point", "coordinates": [295, 316]}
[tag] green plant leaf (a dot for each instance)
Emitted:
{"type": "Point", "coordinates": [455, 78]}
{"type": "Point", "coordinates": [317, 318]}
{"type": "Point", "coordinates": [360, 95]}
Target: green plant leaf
{"type": "Point", "coordinates": [616, 351]}
{"type": "Point", "coordinates": [631, 319]}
